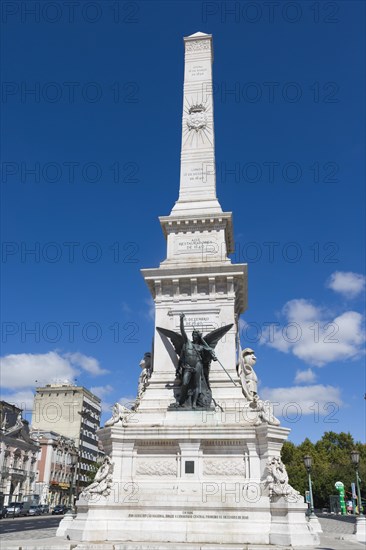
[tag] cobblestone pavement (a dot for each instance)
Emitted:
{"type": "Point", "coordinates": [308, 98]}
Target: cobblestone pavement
{"type": "Point", "coordinates": [336, 525]}
{"type": "Point", "coordinates": [33, 534]}
{"type": "Point", "coordinates": [331, 539]}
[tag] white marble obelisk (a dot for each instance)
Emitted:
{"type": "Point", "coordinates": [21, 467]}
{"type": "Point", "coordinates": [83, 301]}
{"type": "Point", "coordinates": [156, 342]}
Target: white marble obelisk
{"type": "Point", "coordinates": [197, 193]}
{"type": "Point", "coordinates": [197, 277]}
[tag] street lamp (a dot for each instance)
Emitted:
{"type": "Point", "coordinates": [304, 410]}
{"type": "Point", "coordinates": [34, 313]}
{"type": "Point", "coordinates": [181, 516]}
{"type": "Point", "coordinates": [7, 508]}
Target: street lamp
{"type": "Point", "coordinates": [73, 458]}
{"type": "Point", "coordinates": [360, 527]}
{"type": "Point", "coordinates": [355, 457]}
{"type": "Point", "coordinates": [83, 415]}
{"type": "Point", "coordinates": [72, 472]}
{"type": "Point", "coordinates": [308, 462]}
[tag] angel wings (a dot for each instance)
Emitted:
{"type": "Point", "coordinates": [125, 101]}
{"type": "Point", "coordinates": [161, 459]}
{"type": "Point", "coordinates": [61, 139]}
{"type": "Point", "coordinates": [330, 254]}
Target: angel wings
{"type": "Point", "coordinates": [194, 362]}
{"type": "Point", "coordinates": [211, 339]}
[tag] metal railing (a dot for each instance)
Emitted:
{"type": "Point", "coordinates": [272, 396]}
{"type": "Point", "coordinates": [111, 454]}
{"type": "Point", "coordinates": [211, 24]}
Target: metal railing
{"type": "Point", "coordinates": [9, 470]}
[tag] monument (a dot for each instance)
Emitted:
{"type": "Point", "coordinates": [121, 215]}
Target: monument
{"type": "Point", "coordinates": [196, 459]}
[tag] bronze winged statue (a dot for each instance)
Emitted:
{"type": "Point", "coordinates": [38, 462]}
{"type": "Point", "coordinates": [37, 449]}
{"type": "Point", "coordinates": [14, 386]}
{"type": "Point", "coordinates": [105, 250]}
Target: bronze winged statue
{"type": "Point", "coordinates": [194, 362]}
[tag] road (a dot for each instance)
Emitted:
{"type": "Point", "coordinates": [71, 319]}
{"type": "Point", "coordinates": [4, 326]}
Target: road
{"type": "Point", "coordinates": [28, 523]}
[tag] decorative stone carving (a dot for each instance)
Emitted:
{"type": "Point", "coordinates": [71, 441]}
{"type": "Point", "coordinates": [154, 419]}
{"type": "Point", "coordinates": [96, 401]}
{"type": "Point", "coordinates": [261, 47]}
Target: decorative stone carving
{"type": "Point", "coordinates": [166, 467]}
{"type": "Point", "coordinates": [197, 118]}
{"type": "Point", "coordinates": [194, 46]}
{"type": "Point", "coordinates": [248, 378]}
{"type": "Point", "coordinates": [277, 480]}
{"type": "Point", "coordinates": [146, 365]}
{"type": "Point", "coordinates": [224, 467]}
{"type": "Point", "coordinates": [4, 423]}
{"type": "Point", "coordinates": [265, 412]}
{"type": "Point", "coordinates": [102, 481]}
{"type": "Point", "coordinates": [120, 415]}
{"type": "Point", "coordinates": [19, 425]}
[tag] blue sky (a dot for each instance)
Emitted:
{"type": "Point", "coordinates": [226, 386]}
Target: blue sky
{"type": "Point", "coordinates": [91, 159]}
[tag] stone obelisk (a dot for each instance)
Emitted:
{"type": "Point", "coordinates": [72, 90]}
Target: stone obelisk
{"type": "Point", "coordinates": [198, 477]}
{"type": "Point", "coordinates": [197, 277]}
{"type": "Point", "coordinates": [197, 192]}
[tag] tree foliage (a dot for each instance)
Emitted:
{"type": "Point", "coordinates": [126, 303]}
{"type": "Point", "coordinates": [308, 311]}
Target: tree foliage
{"type": "Point", "coordinates": [331, 463]}
{"type": "Point", "coordinates": [91, 473]}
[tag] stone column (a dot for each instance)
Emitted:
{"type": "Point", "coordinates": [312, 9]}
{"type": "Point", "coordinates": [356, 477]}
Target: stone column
{"type": "Point", "coordinates": [122, 458]}
{"type": "Point", "coordinates": [254, 461]}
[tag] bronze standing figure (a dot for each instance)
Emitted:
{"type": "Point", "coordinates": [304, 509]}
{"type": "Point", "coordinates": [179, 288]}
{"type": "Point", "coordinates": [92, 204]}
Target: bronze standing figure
{"type": "Point", "coordinates": [195, 358]}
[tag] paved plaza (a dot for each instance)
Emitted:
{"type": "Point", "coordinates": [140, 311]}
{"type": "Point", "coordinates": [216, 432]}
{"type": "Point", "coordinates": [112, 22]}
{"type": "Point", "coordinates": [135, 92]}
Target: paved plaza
{"type": "Point", "coordinates": [337, 535]}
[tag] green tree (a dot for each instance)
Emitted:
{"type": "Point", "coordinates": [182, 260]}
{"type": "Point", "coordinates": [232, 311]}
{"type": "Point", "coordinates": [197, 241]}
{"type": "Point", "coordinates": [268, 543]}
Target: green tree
{"type": "Point", "coordinates": [94, 466]}
{"type": "Point", "coordinates": [331, 463]}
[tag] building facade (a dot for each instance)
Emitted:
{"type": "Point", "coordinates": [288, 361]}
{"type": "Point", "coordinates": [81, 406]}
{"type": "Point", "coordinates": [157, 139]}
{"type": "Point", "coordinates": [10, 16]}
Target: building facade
{"type": "Point", "coordinates": [18, 457]}
{"type": "Point", "coordinates": [56, 468]}
{"type": "Point", "coordinates": [73, 412]}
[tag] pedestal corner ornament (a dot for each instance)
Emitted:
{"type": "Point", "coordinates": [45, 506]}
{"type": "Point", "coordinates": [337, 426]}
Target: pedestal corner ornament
{"type": "Point", "coordinates": [195, 459]}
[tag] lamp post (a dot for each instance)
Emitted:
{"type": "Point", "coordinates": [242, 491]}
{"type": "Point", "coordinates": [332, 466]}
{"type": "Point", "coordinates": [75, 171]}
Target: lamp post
{"type": "Point", "coordinates": [72, 471]}
{"type": "Point", "coordinates": [308, 462]}
{"type": "Point", "coordinates": [355, 457]}
{"type": "Point", "coordinates": [83, 415]}
{"type": "Point", "coordinates": [73, 463]}
{"type": "Point", "coordinates": [360, 527]}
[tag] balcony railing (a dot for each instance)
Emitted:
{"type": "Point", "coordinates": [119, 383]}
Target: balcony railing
{"type": "Point", "coordinates": [9, 470]}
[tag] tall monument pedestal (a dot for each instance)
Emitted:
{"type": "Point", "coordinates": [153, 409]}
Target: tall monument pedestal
{"type": "Point", "coordinates": [192, 477]}
{"type": "Point", "coordinates": [197, 460]}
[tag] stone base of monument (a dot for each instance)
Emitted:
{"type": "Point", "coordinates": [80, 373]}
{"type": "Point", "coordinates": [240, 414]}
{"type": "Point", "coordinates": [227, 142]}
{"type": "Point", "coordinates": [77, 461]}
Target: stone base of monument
{"type": "Point", "coordinates": [289, 525]}
{"type": "Point", "coordinates": [360, 529]}
{"type": "Point", "coordinates": [204, 528]}
{"type": "Point", "coordinates": [64, 524]}
{"type": "Point", "coordinates": [315, 523]}
{"type": "Point", "coordinates": [199, 485]}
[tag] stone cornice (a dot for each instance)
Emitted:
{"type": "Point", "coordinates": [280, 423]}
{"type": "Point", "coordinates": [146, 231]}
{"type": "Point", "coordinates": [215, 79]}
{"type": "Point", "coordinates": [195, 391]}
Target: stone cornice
{"type": "Point", "coordinates": [225, 433]}
{"type": "Point", "coordinates": [233, 270]}
{"type": "Point", "coordinates": [203, 222]}
{"type": "Point", "coordinates": [236, 272]}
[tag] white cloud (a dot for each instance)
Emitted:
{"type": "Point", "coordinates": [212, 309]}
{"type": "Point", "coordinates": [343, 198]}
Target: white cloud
{"type": "Point", "coordinates": [127, 400]}
{"type": "Point", "coordinates": [102, 391]}
{"type": "Point", "coordinates": [347, 283]}
{"type": "Point", "coordinates": [318, 400]}
{"type": "Point", "coordinates": [313, 335]}
{"type": "Point", "coordinates": [22, 399]}
{"type": "Point", "coordinates": [242, 324]}
{"type": "Point", "coordinates": [301, 311]}
{"type": "Point", "coordinates": [26, 370]}
{"type": "Point", "coordinates": [150, 313]}
{"type": "Point", "coordinates": [89, 364]}
{"type": "Point", "coordinates": [305, 376]}
{"type": "Point", "coordinates": [125, 307]}
{"type": "Point", "coordinates": [107, 407]}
